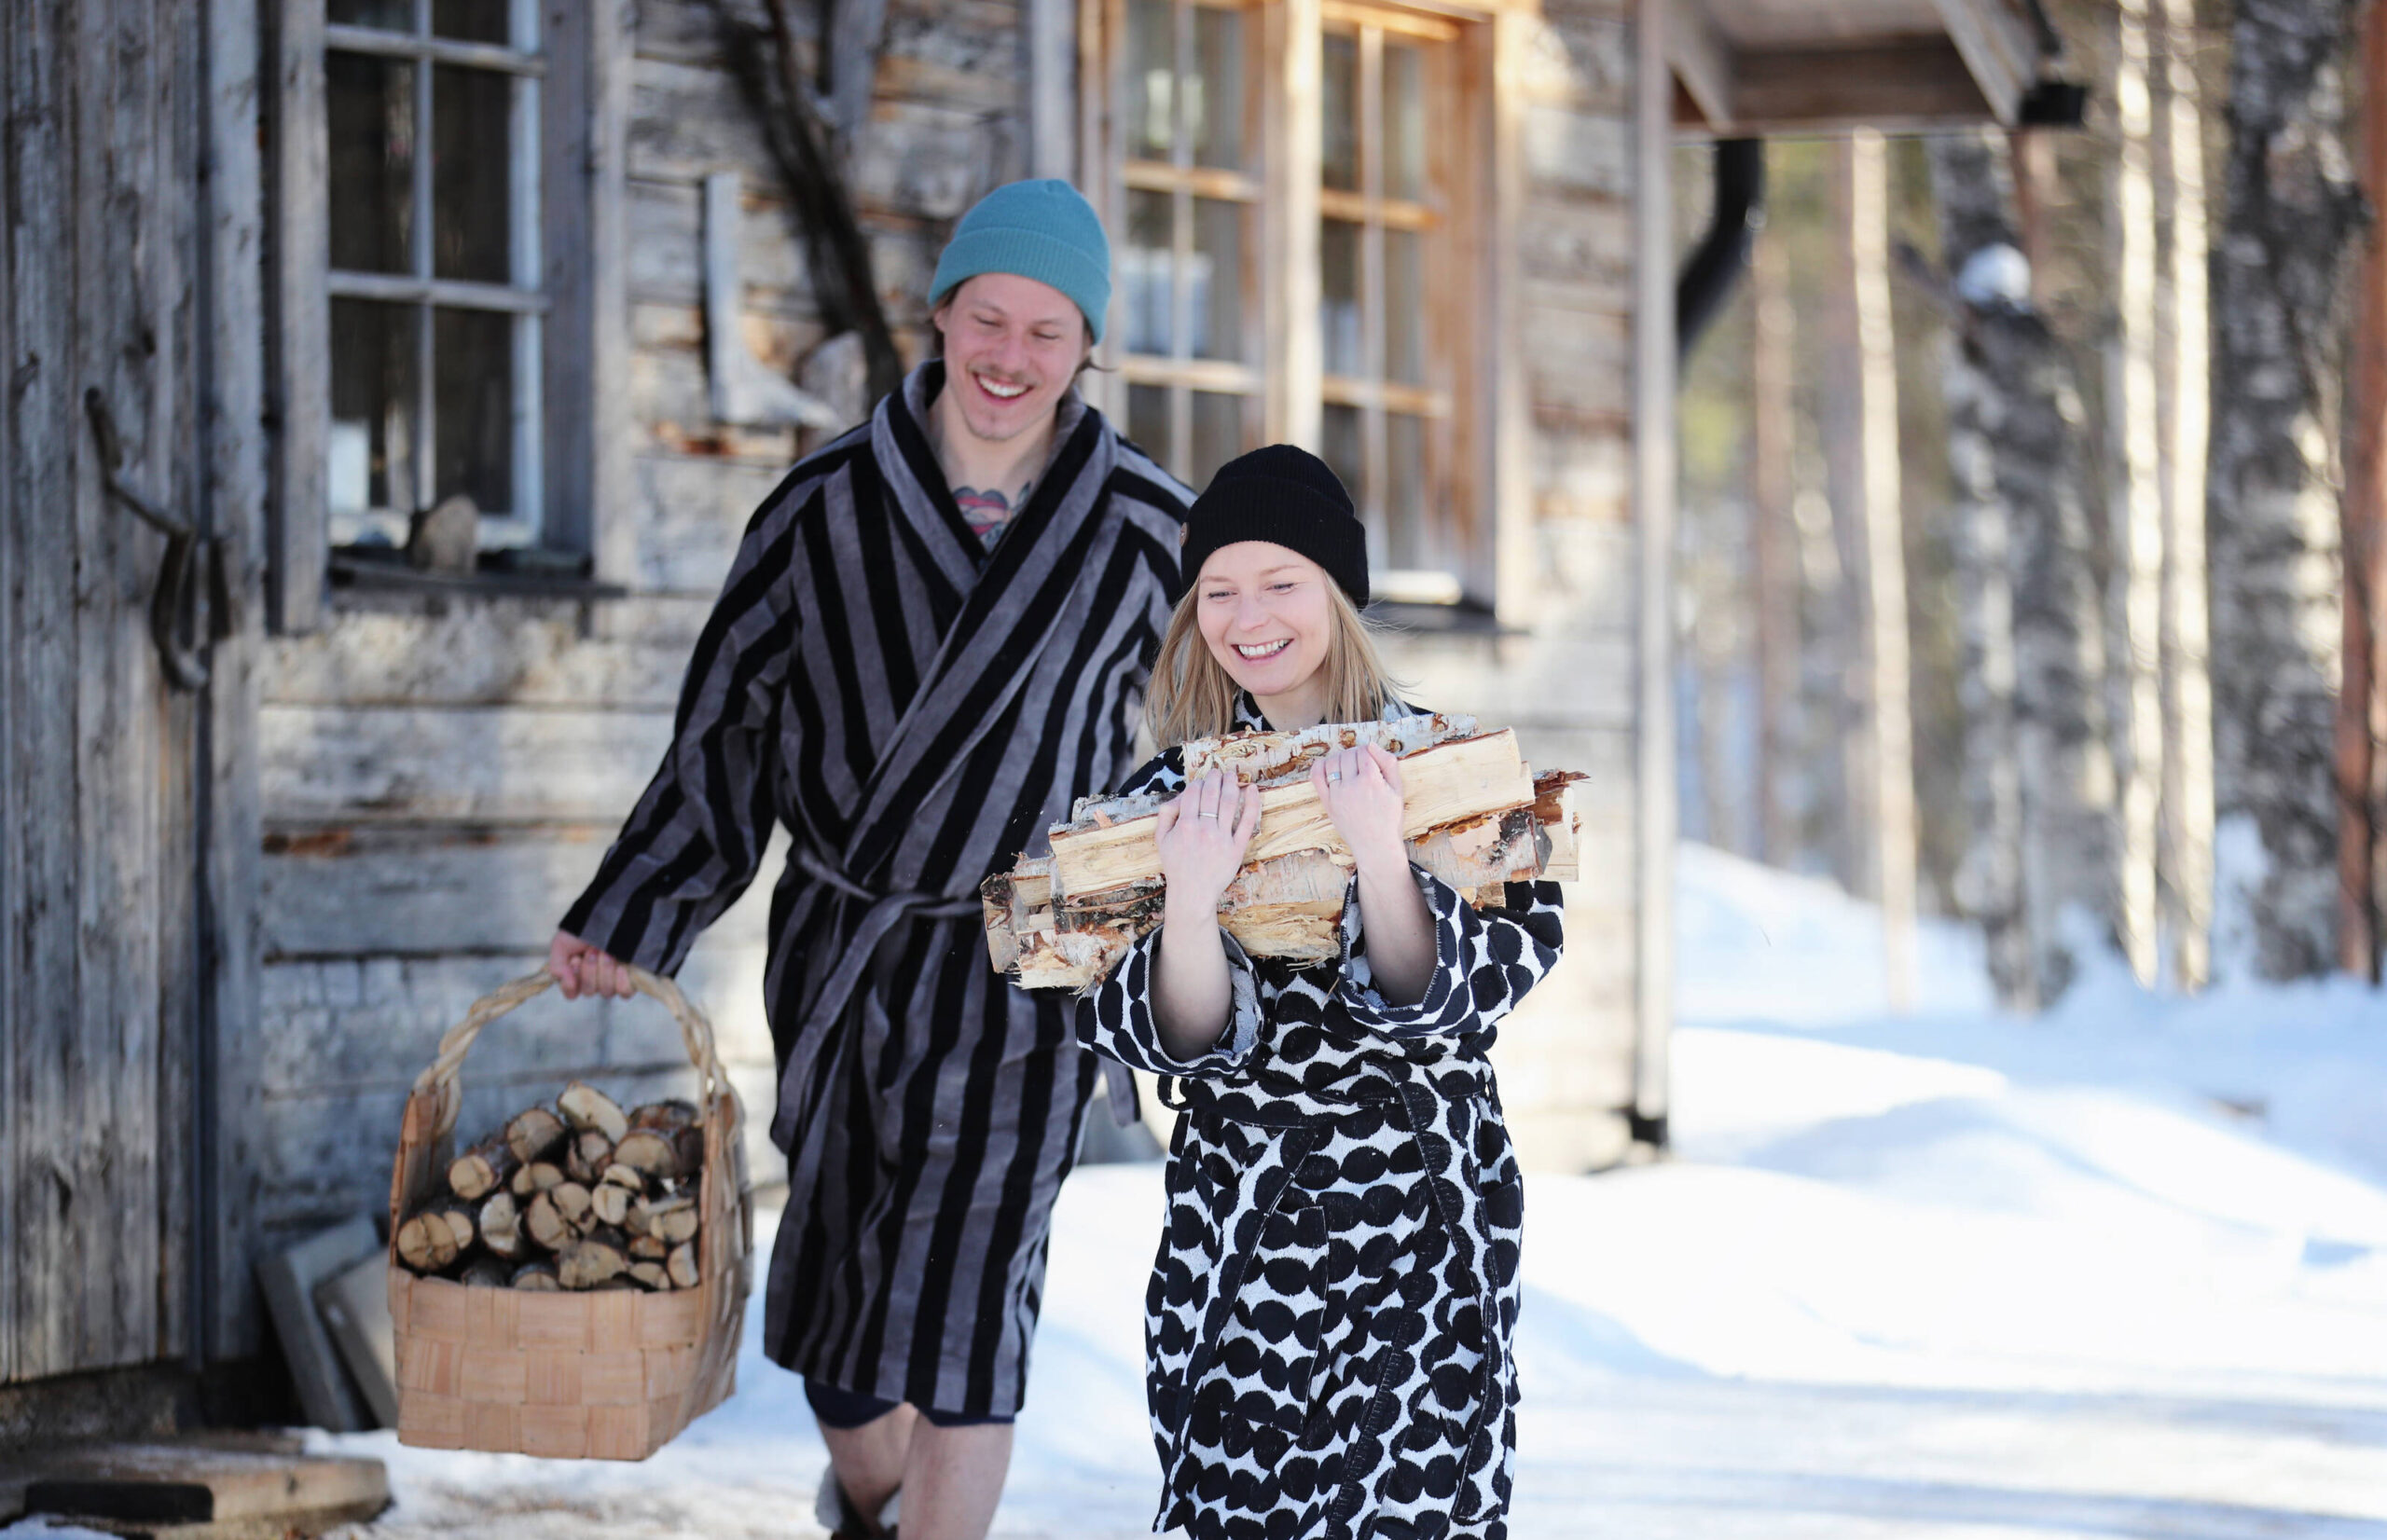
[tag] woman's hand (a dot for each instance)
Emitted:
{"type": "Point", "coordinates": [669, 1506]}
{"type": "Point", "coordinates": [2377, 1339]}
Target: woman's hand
{"type": "Point", "coordinates": [584, 970]}
{"type": "Point", "coordinates": [1362, 790]}
{"type": "Point", "coordinates": [1201, 837]}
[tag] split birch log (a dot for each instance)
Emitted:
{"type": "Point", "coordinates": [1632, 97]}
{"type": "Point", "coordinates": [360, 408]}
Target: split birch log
{"type": "Point", "coordinates": [486, 1272]}
{"type": "Point", "coordinates": [1450, 782]}
{"type": "Point", "coordinates": [501, 1227]}
{"type": "Point", "coordinates": [433, 1240]}
{"type": "Point", "coordinates": [572, 1202]}
{"type": "Point", "coordinates": [589, 1109]}
{"type": "Point", "coordinates": [667, 1117]}
{"type": "Point", "coordinates": [593, 1260]}
{"type": "Point", "coordinates": [533, 1134]}
{"type": "Point", "coordinates": [650, 1151]}
{"type": "Point", "coordinates": [587, 1155]}
{"type": "Point", "coordinates": [1556, 810]}
{"type": "Point", "coordinates": [671, 1219]}
{"type": "Point", "coordinates": [649, 1249]}
{"type": "Point", "coordinates": [609, 1202]}
{"type": "Point", "coordinates": [683, 1266]}
{"type": "Point", "coordinates": [482, 1169]}
{"type": "Point", "coordinates": [545, 1224]}
{"type": "Point", "coordinates": [652, 1275]}
{"type": "Point", "coordinates": [538, 1277]}
{"type": "Point", "coordinates": [534, 1178]}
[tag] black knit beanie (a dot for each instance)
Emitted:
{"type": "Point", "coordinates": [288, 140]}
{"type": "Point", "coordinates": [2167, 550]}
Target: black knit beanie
{"type": "Point", "coordinates": [1288, 496]}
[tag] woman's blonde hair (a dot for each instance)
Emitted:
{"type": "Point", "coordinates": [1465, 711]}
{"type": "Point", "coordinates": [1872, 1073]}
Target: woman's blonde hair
{"type": "Point", "coordinates": [1192, 697]}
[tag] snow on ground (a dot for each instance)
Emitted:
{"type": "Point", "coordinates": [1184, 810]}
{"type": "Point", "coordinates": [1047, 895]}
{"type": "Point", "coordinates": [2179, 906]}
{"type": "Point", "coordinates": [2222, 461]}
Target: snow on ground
{"type": "Point", "coordinates": [2117, 1271]}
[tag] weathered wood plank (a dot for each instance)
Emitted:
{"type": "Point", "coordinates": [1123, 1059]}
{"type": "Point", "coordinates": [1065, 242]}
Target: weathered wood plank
{"type": "Point", "coordinates": [518, 652]}
{"type": "Point", "coordinates": [493, 766]}
{"type": "Point", "coordinates": [298, 382]}
{"type": "Point", "coordinates": [419, 893]}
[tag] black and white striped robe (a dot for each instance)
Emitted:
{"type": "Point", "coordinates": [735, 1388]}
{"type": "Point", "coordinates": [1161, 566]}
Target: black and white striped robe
{"type": "Point", "coordinates": [913, 708]}
{"type": "Point", "coordinates": [1327, 1330]}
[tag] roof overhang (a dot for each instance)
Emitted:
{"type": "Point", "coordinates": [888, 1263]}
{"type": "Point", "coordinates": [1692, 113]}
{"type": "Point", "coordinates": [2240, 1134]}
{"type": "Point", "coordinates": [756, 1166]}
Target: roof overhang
{"type": "Point", "coordinates": [1749, 68]}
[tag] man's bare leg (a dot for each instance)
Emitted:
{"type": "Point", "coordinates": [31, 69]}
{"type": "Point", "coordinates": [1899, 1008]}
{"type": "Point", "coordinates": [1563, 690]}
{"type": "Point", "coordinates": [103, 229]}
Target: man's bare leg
{"type": "Point", "coordinates": [869, 1459]}
{"type": "Point", "coordinates": [953, 1478]}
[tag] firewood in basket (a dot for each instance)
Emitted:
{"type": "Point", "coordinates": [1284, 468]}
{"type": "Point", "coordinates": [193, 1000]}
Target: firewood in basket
{"type": "Point", "coordinates": [545, 1224]}
{"type": "Point", "coordinates": [672, 1220]}
{"type": "Point", "coordinates": [646, 1151]}
{"type": "Point", "coordinates": [602, 1254]}
{"type": "Point", "coordinates": [648, 1248]}
{"type": "Point", "coordinates": [651, 1276]}
{"type": "Point", "coordinates": [460, 1225]}
{"type": "Point", "coordinates": [585, 1155]}
{"type": "Point", "coordinates": [486, 1272]}
{"type": "Point", "coordinates": [538, 1277]}
{"type": "Point", "coordinates": [625, 1177]}
{"type": "Point", "coordinates": [572, 1202]}
{"type": "Point", "coordinates": [533, 1134]}
{"type": "Point", "coordinates": [500, 1220]}
{"type": "Point", "coordinates": [683, 1266]}
{"type": "Point", "coordinates": [667, 1117]}
{"type": "Point", "coordinates": [589, 1108]}
{"type": "Point", "coordinates": [427, 1244]}
{"type": "Point", "coordinates": [688, 1151]}
{"type": "Point", "coordinates": [534, 1178]}
{"type": "Point", "coordinates": [609, 1202]}
{"type": "Point", "coordinates": [482, 1169]}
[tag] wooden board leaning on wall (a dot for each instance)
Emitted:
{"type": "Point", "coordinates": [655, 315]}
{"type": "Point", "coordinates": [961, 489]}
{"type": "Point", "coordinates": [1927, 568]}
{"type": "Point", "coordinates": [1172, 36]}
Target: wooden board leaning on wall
{"type": "Point", "coordinates": [1477, 819]}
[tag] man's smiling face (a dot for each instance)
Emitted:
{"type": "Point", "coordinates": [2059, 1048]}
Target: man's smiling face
{"type": "Point", "coordinates": [1012, 347]}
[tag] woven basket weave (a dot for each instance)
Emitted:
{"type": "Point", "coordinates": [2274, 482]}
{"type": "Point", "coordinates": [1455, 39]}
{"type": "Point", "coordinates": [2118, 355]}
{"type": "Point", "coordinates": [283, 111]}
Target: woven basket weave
{"type": "Point", "coordinates": [607, 1375]}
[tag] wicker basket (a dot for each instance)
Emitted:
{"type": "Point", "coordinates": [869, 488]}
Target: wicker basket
{"type": "Point", "coordinates": [608, 1375]}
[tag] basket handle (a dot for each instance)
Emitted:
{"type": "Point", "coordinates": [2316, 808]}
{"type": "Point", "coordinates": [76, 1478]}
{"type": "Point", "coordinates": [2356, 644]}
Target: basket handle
{"type": "Point", "coordinates": [695, 1033]}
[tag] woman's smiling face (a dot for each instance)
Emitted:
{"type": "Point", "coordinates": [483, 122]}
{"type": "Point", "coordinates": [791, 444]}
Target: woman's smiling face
{"type": "Point", "coordinates": [1264, 616]}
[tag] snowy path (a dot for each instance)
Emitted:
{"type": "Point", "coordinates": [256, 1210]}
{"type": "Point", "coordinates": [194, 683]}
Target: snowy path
{"type": "Point", "coordinates": [2119, 1272]}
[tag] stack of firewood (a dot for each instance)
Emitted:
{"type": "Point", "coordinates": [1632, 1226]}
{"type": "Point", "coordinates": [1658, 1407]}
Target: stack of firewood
{"type": "Point", "coordinates": [581, 1196]}
{"type": "Point", "coordinates": [1476, 817]}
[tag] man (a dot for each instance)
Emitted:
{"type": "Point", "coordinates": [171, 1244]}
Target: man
{"type": "Point", "coordinates": [934, 638]}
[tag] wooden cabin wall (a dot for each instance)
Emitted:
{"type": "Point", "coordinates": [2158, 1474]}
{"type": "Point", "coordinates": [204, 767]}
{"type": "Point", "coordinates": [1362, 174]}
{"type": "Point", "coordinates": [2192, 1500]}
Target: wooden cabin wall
{"type": "Point", "coordinates": [441, 775]}
{"type": "Point", "coordinates": [1561, 671]}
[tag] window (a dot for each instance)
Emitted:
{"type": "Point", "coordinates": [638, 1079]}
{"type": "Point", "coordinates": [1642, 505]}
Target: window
{"type": "Point", "coordinates": [1205, 185]}
{"type": "Point", "coordinates": [1191, 324]}
{"type": "Point", "coordinates": [431, 110]}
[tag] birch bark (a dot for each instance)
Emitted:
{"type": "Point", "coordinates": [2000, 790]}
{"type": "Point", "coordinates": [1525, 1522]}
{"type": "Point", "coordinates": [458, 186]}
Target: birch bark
{"type": "Point", "coordinates": [2291, 213]}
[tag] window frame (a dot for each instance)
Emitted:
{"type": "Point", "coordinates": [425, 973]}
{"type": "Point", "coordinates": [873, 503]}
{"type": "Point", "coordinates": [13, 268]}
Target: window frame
{"type": "Point", "coordinates": [580, 421]}
{"type": "Point", "coordinates": [1467, 365]}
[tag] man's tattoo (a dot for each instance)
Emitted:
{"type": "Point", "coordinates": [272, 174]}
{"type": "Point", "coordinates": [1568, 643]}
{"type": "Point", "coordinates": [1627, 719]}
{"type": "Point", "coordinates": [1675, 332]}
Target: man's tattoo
{"type": "Point", "coordinates": [989, 512]}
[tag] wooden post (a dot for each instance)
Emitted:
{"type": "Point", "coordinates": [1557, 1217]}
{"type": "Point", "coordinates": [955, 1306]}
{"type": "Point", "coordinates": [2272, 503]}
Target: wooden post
{"type": "Point", "coordinates": [1774, 542]}
{"type": "Point", "coordinates": [1653, 517]}
{"type": "Point", "coordinates": [2360, 703]}
{"type": "Point", "coordinates": [2138, 510]}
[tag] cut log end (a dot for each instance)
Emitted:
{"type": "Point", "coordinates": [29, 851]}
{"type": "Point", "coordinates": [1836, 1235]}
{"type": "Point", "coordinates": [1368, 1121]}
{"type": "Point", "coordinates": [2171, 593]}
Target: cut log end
{"type": "Point", "coordinates": [591, 1110]}
{"type": "Point", "coordinates": [482, 1169]}
{"type": "Point", "coordinates": [593, 1260]}
{"type": "Point", "coordinates": [501, 1227]}
{"type": "Point", "coordinates": [534, 1133]}
{"type": "Point", "coordinates": [683, 1266]}
{"type": "Point", "coordinates": [537, 1277]}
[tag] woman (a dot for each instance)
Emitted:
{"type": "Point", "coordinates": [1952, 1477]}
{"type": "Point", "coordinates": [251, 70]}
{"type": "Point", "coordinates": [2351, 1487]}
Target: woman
{"type": "Point", "coordinates": [1328, 1326]}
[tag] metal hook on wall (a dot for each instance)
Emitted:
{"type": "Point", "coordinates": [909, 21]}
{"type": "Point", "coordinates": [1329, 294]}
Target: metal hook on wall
{"type": "Point", "coordinates": [191, 558]}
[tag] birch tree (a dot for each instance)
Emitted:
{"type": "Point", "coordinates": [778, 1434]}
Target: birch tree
{"type": "Point", "coordinates": [2041, 780]}
{"type": "Point", "coordinates": [2291, 213]}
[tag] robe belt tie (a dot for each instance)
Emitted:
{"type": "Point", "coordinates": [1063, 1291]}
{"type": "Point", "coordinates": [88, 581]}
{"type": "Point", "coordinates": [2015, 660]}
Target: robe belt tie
{"type": "Point", "coordinates": [885, 911]}
{"type": "Point", "coordinates": [1415, 1105]}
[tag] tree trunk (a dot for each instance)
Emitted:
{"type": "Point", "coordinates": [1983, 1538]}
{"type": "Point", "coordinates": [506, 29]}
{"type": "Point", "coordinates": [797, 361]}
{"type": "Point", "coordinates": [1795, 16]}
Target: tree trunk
{"type": "Point", "coordinates": [2184, 373]}
{"type": "Point", "coordinates": [2041, 781]}
{"type": "Point", "coordinates": [2291, 210]}
{"type": "Point", "coordinates": [2137, 517]}
{"type": "Point", "coordinates": [2362, 704]}
{"type": "Point", "coordinates": [1774, 544]}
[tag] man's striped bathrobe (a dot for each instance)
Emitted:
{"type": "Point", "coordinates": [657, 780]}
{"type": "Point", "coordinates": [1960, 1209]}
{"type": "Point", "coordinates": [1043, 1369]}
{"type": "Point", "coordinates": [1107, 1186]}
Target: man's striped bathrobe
{"type": "Point", "coordinates": [914, 708]}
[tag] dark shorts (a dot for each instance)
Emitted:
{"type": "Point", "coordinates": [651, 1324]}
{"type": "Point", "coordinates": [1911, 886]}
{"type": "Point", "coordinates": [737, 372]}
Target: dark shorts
{"type": "Point", "coordinates": [844, 1409]}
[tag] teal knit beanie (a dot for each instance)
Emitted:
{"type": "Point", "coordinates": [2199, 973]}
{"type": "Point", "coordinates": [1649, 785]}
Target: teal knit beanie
{"type": "Point", "coordinates": [1044, 229]}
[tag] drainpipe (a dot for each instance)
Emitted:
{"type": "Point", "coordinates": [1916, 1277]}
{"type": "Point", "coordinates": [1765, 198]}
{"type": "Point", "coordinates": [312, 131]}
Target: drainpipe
{"type": "Point", "coordinates": [1707, 278]}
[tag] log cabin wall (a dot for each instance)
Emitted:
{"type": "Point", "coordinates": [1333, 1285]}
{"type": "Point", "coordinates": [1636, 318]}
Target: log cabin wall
{"type": "Point", "coordinates": [442, 770]}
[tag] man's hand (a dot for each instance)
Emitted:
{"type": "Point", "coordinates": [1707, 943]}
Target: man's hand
{"type": "Point", "coordinates": [584, 970]}
{"type": "Point", "coordinates": [1362, 790]}
{"type": "Point", "coordinates": [1201, 837]}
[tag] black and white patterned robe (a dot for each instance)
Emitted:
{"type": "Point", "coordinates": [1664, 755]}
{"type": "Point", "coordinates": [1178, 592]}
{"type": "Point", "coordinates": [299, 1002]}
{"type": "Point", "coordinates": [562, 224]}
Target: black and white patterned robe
{"type": "Point", "coordinates": [1328, 1326]}
{"type": "Point", "coordinates": [913, 708]}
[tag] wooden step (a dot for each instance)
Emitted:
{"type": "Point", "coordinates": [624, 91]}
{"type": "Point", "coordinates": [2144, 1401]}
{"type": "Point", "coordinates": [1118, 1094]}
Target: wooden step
{"type": "Point", "coordinates": [199, 1489]}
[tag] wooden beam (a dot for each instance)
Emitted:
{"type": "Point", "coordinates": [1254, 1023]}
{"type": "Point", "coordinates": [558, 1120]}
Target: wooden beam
{"type": "Point", "coordinates": [1906, 87]}
{"type": "Point", "coordinates": [1653, 518]}
{"type": "Point", "coordinates": [298, 366]}
{"type": "Point", "coordinates": [1703, 61]}
{"type": "Point", "coordinates": [2001, 49]}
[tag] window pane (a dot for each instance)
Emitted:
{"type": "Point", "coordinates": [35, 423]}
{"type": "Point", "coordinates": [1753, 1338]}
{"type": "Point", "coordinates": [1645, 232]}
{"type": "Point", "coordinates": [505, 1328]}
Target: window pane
{"type": "Point", "coordinates": [372, 441]}
{"type": "Point", "coordinates": [1405, 542]}
{"type": "Point", "coordinates": [473, 364]}
{"type": "Point", "coordinates": [1404, 120]}
{"type": "Point", "coordinates": [472, 21]}
{"type": "Point", "coordinates": [1340, 165]}
{"type": "Point", "coordinates": [370, 171]}
{"type": "Point", "coordinates": [1405, 307]}
{"type": "Point", "coordinates": [1144, 269]}
{"type": "Point", "coordinates": [472, 114]}
{"type": "Point", "coordinates": [1343, 451]}
{"type": "Point", "coordinates": [1214, 108]}
{"type": "Point", "coordinates": [1216, 279]}
{"type": "Point", "coordinates": [1217, 434]}
{"type": "Point", "coordinates": [388, 15]}
{"type": "Point", "coordinates": [1148, 421]}
{"type": "Point", "coordinates": [1152, 77]}
{"type": "Point", "coordinates": [1338, 292]}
